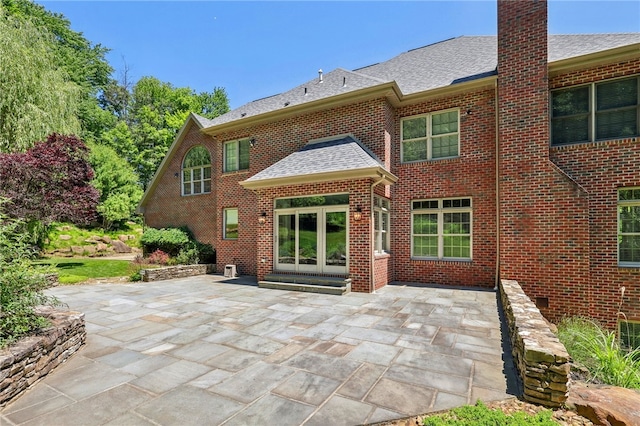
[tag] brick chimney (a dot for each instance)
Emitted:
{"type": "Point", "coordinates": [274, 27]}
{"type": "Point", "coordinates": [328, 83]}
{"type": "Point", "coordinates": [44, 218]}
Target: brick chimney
{"type": "Point", "coordinates": [543, 225]}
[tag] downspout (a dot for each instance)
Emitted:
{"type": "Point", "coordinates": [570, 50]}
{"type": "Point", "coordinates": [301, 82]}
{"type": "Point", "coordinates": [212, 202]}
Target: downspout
{"type": "Point", "coordinates": [372, 285]}
{"type": "Point", "coordinates": [497, 114]}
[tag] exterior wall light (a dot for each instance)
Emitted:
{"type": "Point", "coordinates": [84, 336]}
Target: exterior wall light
{"type": "Point", "coordinates": [357, 215]}
{"type": "Point", "coordinates": [252, 142]}
{"type": "Point", "coordinates": [262, 219]}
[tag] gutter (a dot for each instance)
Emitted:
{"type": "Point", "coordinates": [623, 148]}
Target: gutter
{"type": "Point", "coordinates": [497, 114]}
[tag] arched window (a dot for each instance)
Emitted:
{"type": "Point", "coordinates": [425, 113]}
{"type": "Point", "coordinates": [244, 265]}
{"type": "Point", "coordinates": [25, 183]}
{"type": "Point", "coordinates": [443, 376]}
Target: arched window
{"type": "Point", "coordinates": [196, 171]}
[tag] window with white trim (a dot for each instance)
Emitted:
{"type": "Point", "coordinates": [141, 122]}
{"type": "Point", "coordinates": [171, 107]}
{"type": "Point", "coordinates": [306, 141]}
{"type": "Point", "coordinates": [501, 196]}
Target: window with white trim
{"type": "Point", "coordinates": [230, 225]}
{"type": "Point", "coordinates": [236, 155]}
{"type": "Point", "coordinates": [441, 229]}
{"type": "Point", "coordinates": [196, 171]}
{"type": "Point", "coordinates": [596, 111]}
{"type": "Point", "coordinates": [430, 136]}
{"type": "Point", "coordinates": [629, 227]}
{"type": "Point", "coordinates": [381, 224]}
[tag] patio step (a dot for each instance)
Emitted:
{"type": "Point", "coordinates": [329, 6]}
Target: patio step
{"type": "Point", "coordinates": [313, 284]}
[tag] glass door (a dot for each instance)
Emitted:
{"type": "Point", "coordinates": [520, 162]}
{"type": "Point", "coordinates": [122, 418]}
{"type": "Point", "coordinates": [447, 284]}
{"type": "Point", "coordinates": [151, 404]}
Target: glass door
{"type": "Point", "coordinates": [286, 242]}
{"type": "Point", "coordinates": [312, 240]}
{"type": "Point", "coordinates": [335, 241]}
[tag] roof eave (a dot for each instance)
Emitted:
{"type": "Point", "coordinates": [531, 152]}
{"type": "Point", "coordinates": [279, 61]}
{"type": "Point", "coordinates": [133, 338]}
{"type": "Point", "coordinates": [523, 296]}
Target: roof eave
{"type": "Point", "coordinates": [378, 173]}
{"type": "Point", "coordinates": [629, 51]}
{"type": "Point", "coordinates": [165, 161]}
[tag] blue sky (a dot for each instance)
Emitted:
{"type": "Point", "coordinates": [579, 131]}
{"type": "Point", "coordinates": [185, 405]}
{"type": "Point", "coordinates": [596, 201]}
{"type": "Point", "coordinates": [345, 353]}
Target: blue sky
{"type": "Point", "coordinates": [258, 49]}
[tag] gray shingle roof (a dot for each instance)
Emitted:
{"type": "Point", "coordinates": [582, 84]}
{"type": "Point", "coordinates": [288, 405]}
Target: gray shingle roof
{"type": "Point", "coordinates": [430, 67]}
{"type": "Point", "coordinates": [335, 155]}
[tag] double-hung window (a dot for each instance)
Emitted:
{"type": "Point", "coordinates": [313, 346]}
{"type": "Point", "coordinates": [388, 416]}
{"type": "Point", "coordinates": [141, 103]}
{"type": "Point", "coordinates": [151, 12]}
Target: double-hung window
{"type": "Point", "coordinates": [441, 229]}
{"type": "Point", "coordinates": [236, 155]}
{"type": "Point", "coordinates": [196, 171]}
{"type": "Point", "coordinates": [430, 136]}
{"type": "Point", "coordinates": [381, 224]}
{"type": "Point", "coordinates": [597, 111]}
{"type": "Point", "coordinates": [629, 227]}
{"type": "Point", "coordinates": [230, 225]}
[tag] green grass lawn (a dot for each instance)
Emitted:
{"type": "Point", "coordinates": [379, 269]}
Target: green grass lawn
{"type": "Point", "coordinates": [77, 270]}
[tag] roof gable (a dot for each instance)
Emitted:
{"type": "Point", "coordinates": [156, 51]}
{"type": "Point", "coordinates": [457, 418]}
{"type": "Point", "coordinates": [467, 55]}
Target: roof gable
{"type": "Point", "coordinates": [324, 159]}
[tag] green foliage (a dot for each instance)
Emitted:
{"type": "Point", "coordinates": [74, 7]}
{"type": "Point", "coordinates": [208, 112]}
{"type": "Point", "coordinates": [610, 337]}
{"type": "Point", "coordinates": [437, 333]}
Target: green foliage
{"type": "Point", "coordinates": [83, 63]}
{"type": "Point", "coordinates": [117, 183]}
{"type": "Point", "coordinates": [78, 236]}
{"type": "Point", "coordinates": [480, 415]}
{"type": "Point", "coordinates": [36, 97]}
{"type": "Point", "coordinates": [150, 116]}
{"type": "Point", "coordinates": [598, 350]}
{"type": "Point", "coordinates": [75, 270]}
{"type": "Point", "coordinates": [187, 256]}
{"type": "Point", "coordinates": [22, 283]}
{"type": "Point", "coordinates": [178, 243]}
{"type": "Point", "coordinates": [169, 240]}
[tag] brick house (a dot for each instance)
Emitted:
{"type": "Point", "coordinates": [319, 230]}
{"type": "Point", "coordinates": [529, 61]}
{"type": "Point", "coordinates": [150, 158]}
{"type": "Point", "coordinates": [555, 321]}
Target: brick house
{"type": "Point", "coordinates": [457, 163]}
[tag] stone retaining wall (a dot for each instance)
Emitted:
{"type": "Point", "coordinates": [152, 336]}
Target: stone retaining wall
{"type": "Point", "coordinates": [32, 358]}
{"type": "Point", "coordinates": [541, 359]}
{"type": "Point", "coordinates": [179, 271]}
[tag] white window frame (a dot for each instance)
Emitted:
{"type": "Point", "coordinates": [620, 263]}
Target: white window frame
{"type": "Point", "coordinates": [236, 166]}
{"type": "Point", "coordinates": [429, 137]}
{"type": "Point", "coordinates": [200, 183]}
{"type": "Point", "coordinates": [224, 223]}
{"type": "Point", "coordinates": [440, 211]}
{"type": "Point", "coordinates": [626, 203]}
{"type": "Point", "coordinates": [381, 235]}
{"type": "Point", "coordinates": [593, 112]}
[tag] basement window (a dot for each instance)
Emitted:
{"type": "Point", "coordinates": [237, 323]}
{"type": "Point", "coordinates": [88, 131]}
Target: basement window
{"type": "Point", "coordinates": [629, 333]}
{"type": "Point", "coordinates": [629, 227]}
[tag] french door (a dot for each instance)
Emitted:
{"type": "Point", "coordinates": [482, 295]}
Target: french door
{"type": "Point", "coordinates": [312, 240]}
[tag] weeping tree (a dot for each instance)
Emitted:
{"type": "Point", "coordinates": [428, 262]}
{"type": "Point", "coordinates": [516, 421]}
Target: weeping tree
{"type": "Point", "coordinates": [36, 97]}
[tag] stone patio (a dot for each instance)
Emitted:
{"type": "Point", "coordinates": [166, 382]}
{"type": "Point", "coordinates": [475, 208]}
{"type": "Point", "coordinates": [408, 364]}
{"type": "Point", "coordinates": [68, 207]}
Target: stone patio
{"type": "Point", "coordinates": [210, 350]}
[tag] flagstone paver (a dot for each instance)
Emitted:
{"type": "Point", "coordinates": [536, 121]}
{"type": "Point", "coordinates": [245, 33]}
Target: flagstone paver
{"type": "Point", "coordinates": [216, 351]}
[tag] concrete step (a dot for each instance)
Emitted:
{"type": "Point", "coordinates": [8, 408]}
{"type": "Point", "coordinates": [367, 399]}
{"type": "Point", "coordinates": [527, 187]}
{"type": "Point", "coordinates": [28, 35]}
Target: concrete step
{"type": "Point", "coordinates": [309, 280]}
{"type": "Point", "coordinates": [312, 288]}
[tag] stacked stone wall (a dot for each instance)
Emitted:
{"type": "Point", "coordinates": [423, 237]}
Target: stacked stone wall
{"type": "Point", "coordinates": [541, 359]}
{"type": "Point", "coordinates": [32, 358]}
{"type": "Point", "coordinates": [180, 271]}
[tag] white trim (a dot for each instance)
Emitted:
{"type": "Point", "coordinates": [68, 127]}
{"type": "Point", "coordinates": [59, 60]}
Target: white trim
{"type": "Point", "coordinates": [224, 155]}
{"type": "Point", "coordinates": [224, 223]}
{"type": "Point", "coordinates": [429, 136]}
{"type": "Point", "coordinates": [440, 211]}
{"type": "Point", "coordinates": [619, 234]}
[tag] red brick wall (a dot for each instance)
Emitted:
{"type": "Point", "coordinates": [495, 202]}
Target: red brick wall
{"type": "Point", "coordinates": [167, 208]}
{"type": "Point", "coordinates": [359, 266]}
{"type": "Point", "coordinates": [544, 242]}
{"type": "Point", "coordinates": [274, 141]}
{"type": "Point", "coordinates": [472, 174]}
{"type": "Point", "coordinates": [601, 168]}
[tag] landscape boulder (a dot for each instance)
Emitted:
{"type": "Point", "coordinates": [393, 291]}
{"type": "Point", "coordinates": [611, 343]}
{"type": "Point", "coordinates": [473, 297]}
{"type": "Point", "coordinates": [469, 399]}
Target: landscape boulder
{"type": "Point", "coordinates": [120, 247]}
{"type": "Point", "coordinates": [604, 404]}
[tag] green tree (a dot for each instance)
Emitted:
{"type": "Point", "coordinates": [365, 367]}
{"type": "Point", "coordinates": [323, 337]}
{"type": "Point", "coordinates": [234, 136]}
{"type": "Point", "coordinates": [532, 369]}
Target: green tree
{"type": "Point", "coordinates": [36, 98]}
{"type": "Point", "coordinates": [150, 116]}
{"type": "Point", "coordinates": [117, 183]}
{"type": "Point", "coordinates": [83, 62]}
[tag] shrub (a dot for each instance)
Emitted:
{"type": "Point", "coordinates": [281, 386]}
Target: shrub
{"type": "Point", "coordinates": [169, 240]}
{"type": "Point", "coordinates": [22, 283]}
{"type": "Point", "coordinates": [187, 256]}
{"type": "Point", "coordinates": [158, 257]}
{"type": "Point", "coordinates": [175, 241]}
